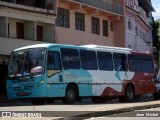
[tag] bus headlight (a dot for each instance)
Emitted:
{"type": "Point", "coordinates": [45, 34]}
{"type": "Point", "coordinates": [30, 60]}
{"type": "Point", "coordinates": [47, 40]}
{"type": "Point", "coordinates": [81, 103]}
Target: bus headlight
{"type": "Point", "coordinates": [39, 83]}
{"type": "Point", "coordinates": [8, 86]}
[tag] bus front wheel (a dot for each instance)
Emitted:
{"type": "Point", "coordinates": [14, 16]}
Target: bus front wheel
{"type": "Point", "coordinates": [71, 95]}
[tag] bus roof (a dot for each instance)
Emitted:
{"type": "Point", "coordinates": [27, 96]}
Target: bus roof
{"type": "Point", "coordinates": [107, 47]}
{"type": "Point", "coordinates": [35, 46]}
{"type": "Point", "coordinates": [92, 46]}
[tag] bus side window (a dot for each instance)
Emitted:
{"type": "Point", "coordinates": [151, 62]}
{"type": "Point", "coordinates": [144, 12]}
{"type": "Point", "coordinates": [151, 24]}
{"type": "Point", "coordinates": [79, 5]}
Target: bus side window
{"type": "Point", "coordinates": [54, 64]}
{"type": "Point", "coordinates": [147, 64]}
{"type": "Point", "coordinates": [105, 61]}
{"type": "Point", "coordinates": [88, 60]}
{"type": "Point", "coordinates": [70, 58]}
{"type": "Point", "coordinates": [134, 63]}
{"type": "Point", "coordinates": [120, 62]}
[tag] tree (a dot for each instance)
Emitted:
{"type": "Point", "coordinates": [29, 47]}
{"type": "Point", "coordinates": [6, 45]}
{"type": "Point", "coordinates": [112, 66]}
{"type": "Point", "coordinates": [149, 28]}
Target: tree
{"type": "Point", "coordinates": [156, 40]}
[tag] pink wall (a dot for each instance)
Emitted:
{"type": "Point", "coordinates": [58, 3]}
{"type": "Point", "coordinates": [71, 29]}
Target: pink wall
{"type": "Point", "coordinates": [77, 37]}
{"type": "Point", "coordinates": [136, 40]}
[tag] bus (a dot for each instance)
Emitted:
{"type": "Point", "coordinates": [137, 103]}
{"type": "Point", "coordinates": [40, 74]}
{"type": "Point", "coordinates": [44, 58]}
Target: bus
{"type": "Point", "coordinates": [70, 73]}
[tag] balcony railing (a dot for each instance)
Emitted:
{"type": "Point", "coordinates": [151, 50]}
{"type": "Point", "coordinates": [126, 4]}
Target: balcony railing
{"type": "Point", "coordinates": [40, 6]}
{"type": "Point", "coordinates": [114, 6]}
{"type": "Point", "coordinates": [143, 15]}
{"type": "Point", "coordinates": [132, 5]}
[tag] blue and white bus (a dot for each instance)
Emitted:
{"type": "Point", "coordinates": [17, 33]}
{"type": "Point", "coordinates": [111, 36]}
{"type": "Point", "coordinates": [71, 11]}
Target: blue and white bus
{"type": "Point", "coordinates": [55, 71]}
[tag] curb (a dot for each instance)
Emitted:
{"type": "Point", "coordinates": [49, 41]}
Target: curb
{"type": "Point", "coordinates": [13, 104]}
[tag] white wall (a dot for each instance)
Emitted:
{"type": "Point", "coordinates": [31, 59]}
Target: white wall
{"type": "Point", "coordinates": [49, 32]}
{"type": "Point", "coordinates": [12, 28]}
{"type": "Point", "coordinates": [26, 15]}
{"type": "Point", "coordinates": [3, 26]}
{"type": "Point", "coordinates": [9, 44]}
{"type": "Point", "coordinates": [30, 30]}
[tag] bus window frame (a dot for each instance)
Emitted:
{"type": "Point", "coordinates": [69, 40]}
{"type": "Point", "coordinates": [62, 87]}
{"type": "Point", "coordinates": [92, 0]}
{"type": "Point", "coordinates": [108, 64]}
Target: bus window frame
{"type": "Point", "coordinates": [81, 61]}
{"type": "Point", "coordinates": [126, 58]}
{"type": "Point", "coordinates": [104, 52]}
{"type": "Point", "coordinates": [60, 62]}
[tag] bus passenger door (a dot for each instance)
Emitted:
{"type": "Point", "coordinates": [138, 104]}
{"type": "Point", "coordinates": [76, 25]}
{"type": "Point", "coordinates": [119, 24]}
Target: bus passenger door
{"type": "Point", "coordinates": [54, 74]}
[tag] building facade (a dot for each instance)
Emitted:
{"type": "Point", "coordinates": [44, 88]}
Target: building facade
{"type": "Point", "coordinates": [81, 22]}
{"type": "Point", "coordinates": [23, 22]}
{"type": "Point", "coordinates": [76, 22]}
{"type": "Point", "coordinates": [138, 17]}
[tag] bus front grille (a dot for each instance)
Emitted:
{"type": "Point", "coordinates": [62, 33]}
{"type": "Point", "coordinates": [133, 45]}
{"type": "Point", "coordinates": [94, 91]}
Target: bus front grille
{"type": "Point", "coordinates": [16, 88]}
{"type": "Point", "coordinates": [28, 87]}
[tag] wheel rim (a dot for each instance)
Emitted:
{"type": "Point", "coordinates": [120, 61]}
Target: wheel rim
{"type": "Point", "coordinates": [130, 94]}
{"type": "Point", "coordinates": [71, 95]}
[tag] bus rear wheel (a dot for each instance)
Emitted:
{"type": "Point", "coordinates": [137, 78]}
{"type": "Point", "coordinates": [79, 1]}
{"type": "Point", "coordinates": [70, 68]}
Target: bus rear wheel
{"type": "Point", "coordinates": [129, 94]}
{"type": "Point", "coordinates": [71, 95]}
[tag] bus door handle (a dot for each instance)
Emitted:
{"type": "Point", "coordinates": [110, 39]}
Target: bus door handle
{"type": "Point", "coordinates": [60, 78]}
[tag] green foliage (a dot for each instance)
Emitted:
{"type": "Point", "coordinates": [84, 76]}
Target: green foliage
{"type": "Point", "coordinates": [155, 32]}
{"type": "Point", "coordinates": [156, 39]}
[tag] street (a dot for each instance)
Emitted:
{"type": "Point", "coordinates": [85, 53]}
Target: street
{"type": "Point", "coordinates": [135, 115]}
{"type": "Point", "coordinates": [82, 109]}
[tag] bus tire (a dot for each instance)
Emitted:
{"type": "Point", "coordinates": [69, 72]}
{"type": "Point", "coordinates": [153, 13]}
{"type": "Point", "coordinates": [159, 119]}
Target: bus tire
{"type": "Point", "coordinates": [129, 94]}
{"type": "Point", "coordinates": [38, 101]}
{"type": "Point", "coordinates": [98, 100]}
{"type": "Point", "coordinates": [71, 95]}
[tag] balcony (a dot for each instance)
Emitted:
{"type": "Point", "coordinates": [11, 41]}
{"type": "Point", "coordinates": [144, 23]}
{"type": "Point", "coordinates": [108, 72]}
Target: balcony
{"type": "Point", "coordinates": [143, 15]}
{"type": "Point", "coordinates": [41, 6]}
{"type": "Point", "coordinates": [146, 5]}
{"type": "Point", "coordinates": [26, 30]}
{"type": "Point", "coordinates": [132, 5]}
{"type": "Point", "coordinates": [113, 6]}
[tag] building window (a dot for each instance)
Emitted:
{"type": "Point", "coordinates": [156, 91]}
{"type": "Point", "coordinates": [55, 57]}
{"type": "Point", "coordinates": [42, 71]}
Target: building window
{"type": "Point", "coordinates": [39, 33]}
{"type": "Point", "coordinates": [136, 30]}
{"type": "Point", "coordinates": [145, 36]}
{"type": "Point", "coordinates": [111, 26]}
{"type": "Point", "coordinates": [20, 30]}
{"type": "Point", "coordinates": [79, 21]}
{"type": "Point", "coordinates": [63, 18]}
{"type": "Point", "coordinates": [8, 30]}
{"type": "Point", "coordinates": [129, 24]}
{"type": "Point", "coordinates": [140, 34]}
{"type": "Point", "coordinates": [95, 25]}
{"type": "Point", "coordinates": [105, 28]}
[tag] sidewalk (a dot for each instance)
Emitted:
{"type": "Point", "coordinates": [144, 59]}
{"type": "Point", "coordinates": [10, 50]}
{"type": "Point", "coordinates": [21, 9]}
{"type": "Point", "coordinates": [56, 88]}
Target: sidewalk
{"type": "Point", "coordinates": [83, 109]}
{"type": "Point", "coordinates": [120, 108]}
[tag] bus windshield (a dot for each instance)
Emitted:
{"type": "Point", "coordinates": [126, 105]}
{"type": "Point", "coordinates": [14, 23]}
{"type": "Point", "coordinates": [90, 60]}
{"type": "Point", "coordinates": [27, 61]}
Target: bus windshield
{"type": "Point", "coordinates": [26, 63]}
